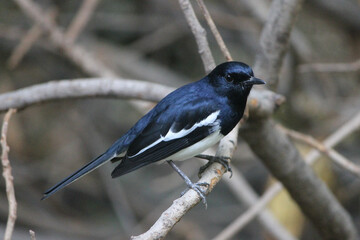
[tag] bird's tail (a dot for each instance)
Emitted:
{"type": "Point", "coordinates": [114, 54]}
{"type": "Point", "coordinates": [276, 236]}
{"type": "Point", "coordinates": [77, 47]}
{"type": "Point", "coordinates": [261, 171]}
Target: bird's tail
{"type": "Point", "coordinates": [97, 162]}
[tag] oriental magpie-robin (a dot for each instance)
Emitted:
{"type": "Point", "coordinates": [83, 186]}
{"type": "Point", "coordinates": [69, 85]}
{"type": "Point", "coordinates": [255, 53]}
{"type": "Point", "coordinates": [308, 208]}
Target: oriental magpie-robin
{"type": "Point", "coordinates": [183, 124]}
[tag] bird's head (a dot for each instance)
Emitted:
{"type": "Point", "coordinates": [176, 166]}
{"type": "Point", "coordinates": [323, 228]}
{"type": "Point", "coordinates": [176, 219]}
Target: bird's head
{"type": "Point", "coordinates": [233, 79]}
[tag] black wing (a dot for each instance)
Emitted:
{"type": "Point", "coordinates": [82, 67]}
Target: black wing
{"type": "Point", "coordinates": [168, 133]}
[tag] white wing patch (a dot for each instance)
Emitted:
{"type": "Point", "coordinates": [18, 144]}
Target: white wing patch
{"type": "Point", "coordinates": [170, 135]}
{"type": "Point", "coordinates": [210, 120]}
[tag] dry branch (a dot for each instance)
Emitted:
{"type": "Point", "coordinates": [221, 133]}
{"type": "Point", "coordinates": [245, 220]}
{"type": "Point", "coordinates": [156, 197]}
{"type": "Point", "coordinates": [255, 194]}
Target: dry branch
{"type": "Point", "coordinates": [330, 67]}
{"type": "Point", "coordinates": [329, 152]}
{"type": "Point", "coordinates": [81, 88]}
{"type": "Point", "coordinates": [247, 216]}
{"type": "Point", "coordinates": [10, 191]}
{"type": "Point", "coordinates": [199, 34]}
{"type": "Point", "coordinates": [77, 54]}
{"type": "Point", "coordinates": [274, 39]}
{"type": "Point", "coordinates": [27, 41]}
{"type": "Point", "coordinates": [214, 30]}
{"type": "Point", "coordinates": [82, 17]}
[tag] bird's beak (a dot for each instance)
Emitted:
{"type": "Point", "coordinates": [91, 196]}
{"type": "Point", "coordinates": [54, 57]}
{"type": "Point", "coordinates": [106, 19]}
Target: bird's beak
{"type": "Point", "coordinates": [253, 81]}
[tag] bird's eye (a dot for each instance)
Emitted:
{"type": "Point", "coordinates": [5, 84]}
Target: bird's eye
{"type": "Point", "coordinates": [229, 78]}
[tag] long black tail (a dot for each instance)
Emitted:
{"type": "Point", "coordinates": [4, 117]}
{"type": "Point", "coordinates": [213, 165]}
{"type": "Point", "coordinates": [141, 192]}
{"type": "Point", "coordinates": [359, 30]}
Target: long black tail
{"type": "Point", "coordinates": [105, 157]}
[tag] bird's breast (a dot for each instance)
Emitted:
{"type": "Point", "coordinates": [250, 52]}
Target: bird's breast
{"type": "Point", "coordinates": [196, 148]}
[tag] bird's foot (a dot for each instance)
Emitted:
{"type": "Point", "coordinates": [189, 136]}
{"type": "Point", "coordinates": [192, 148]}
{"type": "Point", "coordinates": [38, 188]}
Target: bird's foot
{"type": "Point", "coordinates": [197, 187]}
{"type": "Point", "coordinates": [219, 159]}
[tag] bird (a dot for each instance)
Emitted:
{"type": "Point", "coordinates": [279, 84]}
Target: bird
{"type": "Point", "coordinates": [182, 125]}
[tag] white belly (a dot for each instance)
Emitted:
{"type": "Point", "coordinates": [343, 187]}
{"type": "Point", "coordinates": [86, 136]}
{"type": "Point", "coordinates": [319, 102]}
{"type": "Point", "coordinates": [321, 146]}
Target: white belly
{"type": "Point", "coordinates": [197, 148]}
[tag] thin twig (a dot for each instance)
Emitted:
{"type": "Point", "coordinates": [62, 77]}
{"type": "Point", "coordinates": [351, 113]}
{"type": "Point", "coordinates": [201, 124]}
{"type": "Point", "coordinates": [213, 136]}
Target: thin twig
{"type": "Point", "coordinates": [28, 41]}
{"type": "Point", "coordinates": [330, 67]}
{"type": "Point", "coordinates": [199, 34]}
{"type": "Point", "coordinates": [215, 31]}
{"type": "Point", "coordinates": [329, 152]}
{"type": "Point", "coordinates": [32, 235]}
{"type": "Point", "coordinates": [75, 53]}
{"type": "Point", "coordinates": [10, 191]}
{"type": "Point", "coordinates": [249, 214]}
{"type": "Point", "coordinates": [82, 17]}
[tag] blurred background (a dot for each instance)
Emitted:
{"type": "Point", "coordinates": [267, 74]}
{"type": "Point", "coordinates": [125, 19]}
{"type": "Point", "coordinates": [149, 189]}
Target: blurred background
{"type": "Point", "coordinates": [151, 41]}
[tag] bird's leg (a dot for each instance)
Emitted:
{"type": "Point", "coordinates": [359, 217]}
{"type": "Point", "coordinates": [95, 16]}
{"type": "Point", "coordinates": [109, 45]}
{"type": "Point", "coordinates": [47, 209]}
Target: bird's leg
{"type": "Point", "coordinates": [195, 186]}
{"type": "Point", "coordinates": [211, 159]}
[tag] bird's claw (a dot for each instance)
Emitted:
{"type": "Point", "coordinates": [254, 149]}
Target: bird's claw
{"type": "Point", "coordinates": [197, 188]}
{"type": "Point", "coordinates": [224, 161]}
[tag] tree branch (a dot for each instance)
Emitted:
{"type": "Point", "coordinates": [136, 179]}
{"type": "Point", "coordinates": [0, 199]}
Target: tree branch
{"type": "Point", "coordinates": [199, 34]}
{"type": "Point", "coordinates": [77, 54]}
{"type": "Point", "coordinates": [327, 151]}
{"type": "Point", "coordinates": [28, 40]}
{"type": "Point", "coordinates": [215, 31]}
{"type": "Point", "coordinates": [10, 191]}
{"type": "Point", "coordinates": [274, 39]}
{"type": "Point", "coordinates": [82, 17]}
{"type": "Point", "coordinates": [81, 88]}
{"type": "Point", "coordinates": [330, 67]}
{"type": "Point", "coordinates": [249, 214]}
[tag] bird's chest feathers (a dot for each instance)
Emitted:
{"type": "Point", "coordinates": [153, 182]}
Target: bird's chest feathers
{"type": "Point", "coordinates": [196, 148]}
{"type": "Point", "coordinates": [229, 117]}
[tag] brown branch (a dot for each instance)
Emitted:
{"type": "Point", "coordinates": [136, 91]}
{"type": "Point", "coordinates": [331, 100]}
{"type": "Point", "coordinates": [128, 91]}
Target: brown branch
{"type": "Point", "coordinates": [214, 30]}
{"type": "Point", "coordinates": [274, 39]}
{"type": "Point", "coordinates": [244, 192]}
{"type": "Point", "coordinates": [199, 34]}
{"type": "Point", "coordinates": [330, 67]}
{"type": "Point", "coordinates": [340, 134]}
{"type": "Point", "coordinates": [249, 214]}
{"type": "Point", "coordinates": [27, 41]}
{"type": "Point", "coordinates": [82, 17]}
{"type": "Point", "coordinates": [329, 152]}
{"type": "Point", "coordinates": [77, 54]}
{"type": "Point", "coordinates": [10, 191]}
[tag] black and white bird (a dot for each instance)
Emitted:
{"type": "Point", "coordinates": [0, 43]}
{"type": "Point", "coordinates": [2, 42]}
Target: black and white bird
{"type": "Point", "coordinates": [182, 125]}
